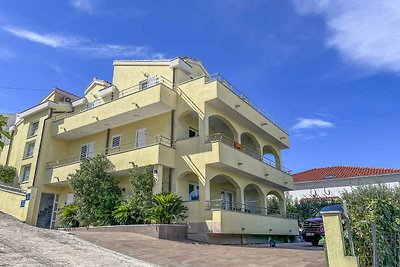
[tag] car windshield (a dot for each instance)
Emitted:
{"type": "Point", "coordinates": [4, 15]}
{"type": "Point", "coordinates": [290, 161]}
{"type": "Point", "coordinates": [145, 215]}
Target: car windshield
{"type": "Point", "coordinates": [328, 208]}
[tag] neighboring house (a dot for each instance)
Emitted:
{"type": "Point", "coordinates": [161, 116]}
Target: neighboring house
{"type": "Point", "coordinates": [331, 181]}
{"type": "Point", "coordinates": [10, 122]}
{"type": "Point", "coordinates": [205, 139]}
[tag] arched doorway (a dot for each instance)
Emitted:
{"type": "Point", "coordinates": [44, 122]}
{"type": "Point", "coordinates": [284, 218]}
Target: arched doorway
{"type": "Point", "coordinates": [189, 187]}
{"type": "Point", "coordinates": [189, 125]}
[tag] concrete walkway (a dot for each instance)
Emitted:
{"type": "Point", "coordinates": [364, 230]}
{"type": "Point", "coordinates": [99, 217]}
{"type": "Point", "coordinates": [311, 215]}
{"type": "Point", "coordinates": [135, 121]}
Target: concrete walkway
{"type": "Point", "coordinates": [173, 253]}
{"type": "Point", "coordinates": [25, 245]}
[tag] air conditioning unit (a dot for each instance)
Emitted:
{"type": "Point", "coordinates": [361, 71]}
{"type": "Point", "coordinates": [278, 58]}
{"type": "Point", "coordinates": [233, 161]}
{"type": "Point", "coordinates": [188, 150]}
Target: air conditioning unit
{"type": "Point", "coordinates": [67, 99]}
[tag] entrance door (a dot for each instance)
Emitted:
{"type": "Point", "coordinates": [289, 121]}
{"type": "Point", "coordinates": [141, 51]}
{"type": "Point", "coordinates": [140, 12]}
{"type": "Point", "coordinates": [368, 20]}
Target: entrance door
{"type": "Point", "coordinates": [227, 200]}
{"type": "Point", "coordinates": [45, 210]}
{"type": "Point", "coordinates": [141, 137]}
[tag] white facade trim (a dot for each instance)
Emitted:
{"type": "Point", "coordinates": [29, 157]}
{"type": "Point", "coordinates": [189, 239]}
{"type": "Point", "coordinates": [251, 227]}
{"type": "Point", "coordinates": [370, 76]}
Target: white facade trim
{"type": "Point", "coordinates": [38, 108]}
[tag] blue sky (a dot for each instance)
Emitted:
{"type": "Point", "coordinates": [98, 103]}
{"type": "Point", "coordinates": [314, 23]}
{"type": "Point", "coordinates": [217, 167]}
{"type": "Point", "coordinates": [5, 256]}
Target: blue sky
{"type": "Point", "coordinates": [326, 70]}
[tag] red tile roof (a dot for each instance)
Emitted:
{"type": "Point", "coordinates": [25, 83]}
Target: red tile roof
{"type": "Point", "coordinates": [336, 172]}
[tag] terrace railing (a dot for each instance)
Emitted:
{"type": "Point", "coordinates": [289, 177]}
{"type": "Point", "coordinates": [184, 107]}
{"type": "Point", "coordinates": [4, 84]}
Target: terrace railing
{"type": "Point", "coordinates": [248, 151]}
{"type": "Point", "coordinates": [233, 89]}
{"type": "Point", "coordinates": [116, 95]}
{"type": "Point", "coordinates": [220, 204]}
{"type": "Point", "coordinates": [138, 144]}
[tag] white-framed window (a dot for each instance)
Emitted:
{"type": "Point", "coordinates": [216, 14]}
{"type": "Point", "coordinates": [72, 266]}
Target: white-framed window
{"type": "Point", "coordinates": [29, 149]}
{"type": "Point", "coordinates": [115, 141]}
{"type": "Point", "coordinates": [193, 191]}
{"type": "Point", "coordinates": [33, 129]}
{"type": "Point", "coordinates": [149, 82]}
{"type": "Point", "coordinates": [25, 172]}
{"type": "Point", "coordinates": [193, 132]}
{"type": "Point", "coordinates": [87, 151]}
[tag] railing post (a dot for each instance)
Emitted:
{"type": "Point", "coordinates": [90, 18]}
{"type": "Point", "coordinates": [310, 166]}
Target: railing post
{"type": "Point", "coordinates": [374, 246]}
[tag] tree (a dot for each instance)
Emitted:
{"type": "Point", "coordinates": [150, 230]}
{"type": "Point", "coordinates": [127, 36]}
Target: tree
{"type": "Point", "coordinates": [96, 192]}
{"type": "Point", "coordinates": [142, 181]}
{"type": "Point", "coordinates": [7, 174]}
{"type": "Point", "coordinates": [3, 123]}
{"type": "Point", "coordinates": [166, 207]}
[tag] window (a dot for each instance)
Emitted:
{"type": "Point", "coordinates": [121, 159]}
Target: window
{"type": "Point", "coordinates": [29, 149]}
{"type": "Point", "coordinates": [87, 151]}
{"type": "Point", "coordinates": [330, 176]}
{"type": "Point", "coordinates": [25, 173]}
{"type": "Point", "coordinates": [115, 141]}
{"type": "Point", "coordinates": [70, 199]}
{"type": "Point", "coordinates": [141, 135]}
{"type": "Point", "coordinates": [193, 132]}
{"type": "Point", "coordinates": [152, 80]}
{"type": "Point", "coordinates": [34, 129]}
{"type": "Point", "coordinates": [193, 191]}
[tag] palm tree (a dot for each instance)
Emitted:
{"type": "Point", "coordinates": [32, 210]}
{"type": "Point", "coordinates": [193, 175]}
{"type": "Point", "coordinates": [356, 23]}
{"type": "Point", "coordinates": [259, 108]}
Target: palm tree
{"type": "Point", "coordinates": [166, 207]}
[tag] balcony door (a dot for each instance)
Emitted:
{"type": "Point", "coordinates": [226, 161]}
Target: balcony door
{"type": "Point", "coordinates": [227, 200]}
{"type": "Point", "coordinates": [141, 135]}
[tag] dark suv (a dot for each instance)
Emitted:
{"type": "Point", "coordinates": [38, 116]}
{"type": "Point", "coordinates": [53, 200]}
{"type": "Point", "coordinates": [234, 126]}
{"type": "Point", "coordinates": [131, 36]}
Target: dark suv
{"type": "Point", "coordinates": [313, 228]}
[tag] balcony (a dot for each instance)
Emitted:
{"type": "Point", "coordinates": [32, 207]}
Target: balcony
{"type": "Point", "coordinates": [228, 154]}
{"type": "Point", "coordinates": [123, 107]}
{"type": "Point", "coordinates": [235, 218]}
{"type": "Point", "coordinates": [157, 150]}
{"type": "Point", "coordinates": [232, 100]}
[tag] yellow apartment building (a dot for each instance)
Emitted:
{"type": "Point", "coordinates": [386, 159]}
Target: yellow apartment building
{"type": "Point", "coordinates": [206, 141]}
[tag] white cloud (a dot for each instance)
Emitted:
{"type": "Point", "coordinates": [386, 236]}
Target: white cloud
{"type": "Point", "coordinates": [364, 32]}
{"type": "Point", "coordinates": [308, 123]}
{"type": "Point", "coordinates": [45, 39]}
{"type": "Point", "coordinates": [83, 5]}
{"type": "Point", "coordinates": [85, 46]}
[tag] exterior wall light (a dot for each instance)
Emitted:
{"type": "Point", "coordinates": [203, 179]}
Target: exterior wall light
{"type": "Point", "coordinates": [264, 124]}
{"type": "Point", "coordinates": [237, 105]}
{"type": "Point", "coordinates": [240, 163]}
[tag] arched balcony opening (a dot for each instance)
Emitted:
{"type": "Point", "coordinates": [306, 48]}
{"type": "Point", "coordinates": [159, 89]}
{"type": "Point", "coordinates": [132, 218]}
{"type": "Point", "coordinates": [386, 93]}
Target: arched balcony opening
{"type": "Point", "coordinates": [253, 199]}
{"type": "Point", "coordinates": [189, 124]}
{"type": "Point", "coordinates": [219, 126]}
{"type": "Point", "coordinates": [224, 193]}
{"type": "Point", "coordinates": [275, 203]}
{"type": "Point", "coordinates": [271, 157]}
{"type": "Point", "coordinates": [250, 145]}
{"type": "Point", "coordinates": [188, 187]}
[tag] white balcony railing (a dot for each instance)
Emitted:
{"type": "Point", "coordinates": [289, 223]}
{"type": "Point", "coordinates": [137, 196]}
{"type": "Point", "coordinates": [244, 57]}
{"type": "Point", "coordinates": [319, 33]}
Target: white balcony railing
{"type": "Point", "coordinates": [116, 95]}
{"type": "Point", "coordinates": [233, 89]}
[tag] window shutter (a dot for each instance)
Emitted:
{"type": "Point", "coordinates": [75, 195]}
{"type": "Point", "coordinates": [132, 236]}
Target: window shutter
{"type": "Point", "coordinates": [116, 141]}
{"type": "Point", "coordinates": [84, 152]}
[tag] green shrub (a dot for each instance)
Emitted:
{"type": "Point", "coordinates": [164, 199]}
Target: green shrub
{"type": "Point", "coordinates": [7, 174]}
{"type": "Point", "coordinates": [96, 192]}
{"type": "Point", "coordinates": [125, 215]}
{"type": "Point", "coordinates": [379, 204]}
{"type": "Point", "coordinates": [69, 216]}
{"type": "Point", "coordinates": [166, 207]}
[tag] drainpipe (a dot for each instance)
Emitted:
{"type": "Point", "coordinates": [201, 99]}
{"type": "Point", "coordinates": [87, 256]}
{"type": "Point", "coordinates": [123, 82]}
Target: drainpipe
{"type": "Point", "coordinates": [107, 141]}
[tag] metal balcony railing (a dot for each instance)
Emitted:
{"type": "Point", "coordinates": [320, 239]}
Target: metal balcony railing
{"type": "Point", "coordinates": [248, 151]}
{"type": "Point", "coordinates": [233, 89]}
{"type": "Point", "coordinates": [220, 204]}
{"type": "Point", "coordinates": [138, 144]}
{"type": "Point", "coordinates": [116, 95]}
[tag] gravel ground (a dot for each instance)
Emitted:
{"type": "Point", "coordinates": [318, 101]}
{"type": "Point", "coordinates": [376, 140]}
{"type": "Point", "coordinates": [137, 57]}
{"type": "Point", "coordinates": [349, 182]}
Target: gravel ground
{"type": "Point", "coordinates": [25, 245]}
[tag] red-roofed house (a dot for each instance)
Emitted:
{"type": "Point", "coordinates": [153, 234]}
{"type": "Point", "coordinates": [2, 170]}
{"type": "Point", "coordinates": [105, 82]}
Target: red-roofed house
{"type": "Point", "coordinates": [331, 181]}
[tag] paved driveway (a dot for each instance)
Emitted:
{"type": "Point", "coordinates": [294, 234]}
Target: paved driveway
{"type": "Point", "coordinates": [25, 245]}
{"type": "Point", "coordinates": [174, 253]}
